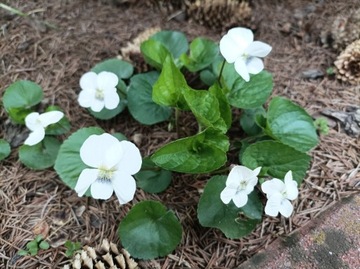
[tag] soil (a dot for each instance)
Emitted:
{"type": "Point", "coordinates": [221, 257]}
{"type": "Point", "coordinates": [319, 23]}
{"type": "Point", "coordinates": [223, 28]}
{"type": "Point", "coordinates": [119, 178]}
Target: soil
{"type": "Point", "coordinates": [87, 32]}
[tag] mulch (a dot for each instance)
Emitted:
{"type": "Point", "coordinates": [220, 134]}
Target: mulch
{"type": "Point", "coordinates": [88, 32]}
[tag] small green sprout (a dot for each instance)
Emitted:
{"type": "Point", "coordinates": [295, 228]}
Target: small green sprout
{"type": "Point", "coordinates": [330, 71]}
{"type": "Point", "coordinates": [71, 248]}
{"type": "Point", "coordinates": [34, 246]}
{"type": "Point", "coordinates": [322, 126]}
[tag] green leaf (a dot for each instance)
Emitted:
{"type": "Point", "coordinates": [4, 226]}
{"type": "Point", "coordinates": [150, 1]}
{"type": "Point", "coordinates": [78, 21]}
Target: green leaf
{"type": "Point", "coordinates": [149, 230]}
{"type": "Point", "coordinates": [41, 155]}
{"type": "Point", "coordinates": [175, 42]}
{"type": "Point", "coordinates": [277, 159]}
{"type": "Point", "coordinates": [212, 212]}
{"type": "Point", "coordinates": [5, 149]}
{"type": "Point", "coordinates": [167, 90]}
{"type": "Point", "coordinates": [122, 69]}
{"type": "Point", "coordinates": [248, 120]}
{"type": "Point", "coordinates": [152, 178]}
{"type": "Point", "coordinates": [44, 245]}
{"type": "Point", "coordinates": [68, 164]}
{"type": "Point", "coordinates": [250, 94]}
{"type": "Point", "coordinates": [61, 127]}
{"type": "Point", "coordinates": [205, 107]}
{"type": "Point", "coordinates": [71, 247]}
{"type": "Point", "coordinates": [33, 244]}
{"type": "Point", "coordinates": [33, 251]}
{"type": "Point", "coordinates": [140, 103]}
{"type": "Point", "coordinates": [291, 124]}
{"type": "Point", "coordinates": [22, 252]}
{"type": "Point", "coordinates": [105, 113]}
{"type": "Point", "coordinates": [202, 54]}
{"type": "Point", "coordinates": [225, 109]}
{"type": "Point", "coordinates": [207, 77]}
{"type": "Point", "coordinates": [19, 97]}
{"type": "Point", "coordinates": [154, 53]}
{"type": "Point", "coordinates": [38, 238]}
{"type": "Point", "coordinates": [201, 153]}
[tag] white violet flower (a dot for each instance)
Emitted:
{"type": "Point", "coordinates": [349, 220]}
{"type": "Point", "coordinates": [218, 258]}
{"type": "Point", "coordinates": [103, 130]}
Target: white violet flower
{"type": "Point", "coordinates": [112, 163]}
{"type": "Point", "coordinates": [99, 91]}
{"type": "Point", "coordinates": [238, 46]}
{"type": "Point", "coordinates": [239, 184]}
{"type": "Point", "coordinates": [37, 123]}
{"type": "Point", "coordinates": [279, 193]}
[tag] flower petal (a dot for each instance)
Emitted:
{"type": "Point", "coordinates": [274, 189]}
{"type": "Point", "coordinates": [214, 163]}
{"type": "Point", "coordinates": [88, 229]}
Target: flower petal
{"type": "Point", "coordinates": [254, 65]}
{"type": "Point", "coordinates": [273, 186]}
{"type": "Point", "coordinates": [241, 37]}
{"type": "Point", "coordinates": [88, 81]}
{"type": "Point", "coordinates": [35, 137]}
{"type": "Point", "coordinates": [94, 149]}
{"type": "Point", "coordinates": [292, 191]}
{"type": "Point", "coordinates": [241, 69]}
{"type": "Point", "coordinates": [86, 98]}
{"type": "Point", "coordinates": [124, 186]}
{"type": "Point", "coordinates": [97, 105]}
{"type": "Point", "coordinates": [102, 189]}
{"type": "Point", "coordinates": [113, 155]}
{"type": "Point", "coordinates": [131, 162]}
{"type": "Point", "coordinates": [229, 50]}
{"type": "Point", "coordinates": [240, 199]}
{"type": "Point", "coordinates": [50, 117]}
{"type": "Point", "coordinates": [273, 205]}
{"type": "Point", "coordinates": [31, 121]}
{"type": "Point", "coordinates": [227, 194]}
{"type": "Point", "coordinates": [107, 80]}
{"type": "Point", "coordinates": [286, 208]}
{"type": "Point", "coordinates": [111, 99]}
{"type": "Point", "coordinates": [240, 172]}
{"type": "Point", "coordinates": [258, 49]}
{"type": "Point", "coordinates": [86, 178]}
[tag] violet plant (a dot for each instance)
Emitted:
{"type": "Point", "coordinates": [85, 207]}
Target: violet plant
{"type": "Point", "coordinates": [277, 136]}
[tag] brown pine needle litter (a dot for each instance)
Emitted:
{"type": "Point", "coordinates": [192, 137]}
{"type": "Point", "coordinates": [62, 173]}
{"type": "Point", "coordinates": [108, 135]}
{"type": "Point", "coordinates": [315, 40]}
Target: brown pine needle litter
{"type": "Point", "coordinates": [33, 202]}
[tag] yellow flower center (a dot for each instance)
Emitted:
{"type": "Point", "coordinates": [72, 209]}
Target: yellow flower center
{"type": "Point", "coordinates": [105, 173]}
{"type": "Point", "coordinates": [99, 94]}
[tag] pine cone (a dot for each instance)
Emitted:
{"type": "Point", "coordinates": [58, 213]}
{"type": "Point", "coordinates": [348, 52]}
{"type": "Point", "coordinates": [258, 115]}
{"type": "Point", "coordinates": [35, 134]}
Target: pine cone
{"type": "Point", "coordinates": [218, 13]}
{"type": "Point", "coordinates": [106, 257]}
{"type": "Point", "coordinates": [348, 63]}
{"type": "Point", "coordinates": [344, 30]}
{"type": "Point", "coordinates": [132, 53]}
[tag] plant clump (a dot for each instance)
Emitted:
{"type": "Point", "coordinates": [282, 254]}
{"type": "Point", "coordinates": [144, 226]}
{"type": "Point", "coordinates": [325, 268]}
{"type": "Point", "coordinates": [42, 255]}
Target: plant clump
{"type": "Point", "coordinates": [348, 63]}
{"type": "Point", "coordinates": [104, 257]}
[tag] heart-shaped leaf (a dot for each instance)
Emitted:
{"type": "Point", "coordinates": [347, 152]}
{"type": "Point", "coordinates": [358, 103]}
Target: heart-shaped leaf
{"type": "Point", "coordinates": [175, 42]}
{"type": "Point", "coordinates": [201, 153]}
{"type": "Point", "coordinates": [119, 67]}
{"type": "Point", "coordinates": [291, 124]}
{"type": "Point", "coordinates": [41, 155]}
{"type": "Point", "coordinates": [167, 90]}
{"type": "Point", "coordinates": [140, 103]}
{"type": "Point", "coordinates": [5, 149]}
{"type": "Point", "coordinates": [68, 164]}
{"type": "Point", "coordinates": [277, 159]}
{"type": "Point", "coordinates": [212, 212]}
{"type": "Point", "coordinates": [20, 97]}
{"type": "Point", "coordinates": [250, 94]}
{"type": "Point", "coordinates": [152, 178]}
{"type": "Point", "coordinates": [202, 54]}
{"type": "Point", "coordinates": [149, 230]}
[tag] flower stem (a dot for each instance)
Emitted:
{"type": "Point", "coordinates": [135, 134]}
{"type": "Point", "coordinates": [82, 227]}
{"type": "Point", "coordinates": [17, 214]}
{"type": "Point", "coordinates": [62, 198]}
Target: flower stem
{"type": "Point", "coordinates": [221, 70]}
{"type": "Point", "coordinates": [177, 114]}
